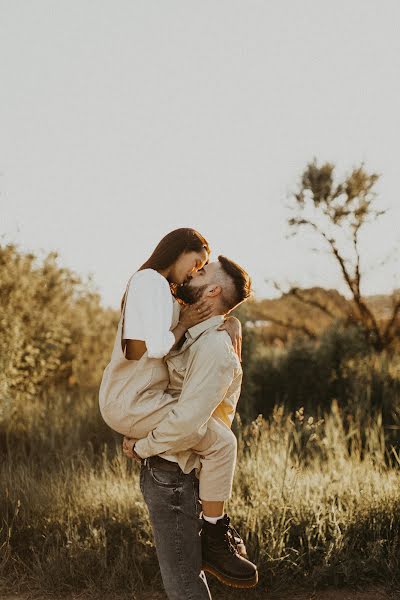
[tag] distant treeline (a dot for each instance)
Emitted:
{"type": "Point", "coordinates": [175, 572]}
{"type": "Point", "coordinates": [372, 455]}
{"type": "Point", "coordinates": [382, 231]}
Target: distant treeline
{"type": "Point", "coordinates": [55, 336]}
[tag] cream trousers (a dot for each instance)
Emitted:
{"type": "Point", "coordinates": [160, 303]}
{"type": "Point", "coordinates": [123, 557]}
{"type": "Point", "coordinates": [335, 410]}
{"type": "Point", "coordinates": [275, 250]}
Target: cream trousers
{"type": "Point", "coordinates": [133, 402]}
{"type": "Point", "coordinates": [217, 450]}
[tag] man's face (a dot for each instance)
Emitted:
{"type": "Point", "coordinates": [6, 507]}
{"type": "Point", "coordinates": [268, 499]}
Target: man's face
{"type": "Point", "coordinates": [196, 284]}
{"type": "Point", "coordinates": [186, 264]}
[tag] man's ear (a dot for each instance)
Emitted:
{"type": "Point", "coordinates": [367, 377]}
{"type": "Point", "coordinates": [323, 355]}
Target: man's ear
{"type": "Point", "coordinates": [214, 291]}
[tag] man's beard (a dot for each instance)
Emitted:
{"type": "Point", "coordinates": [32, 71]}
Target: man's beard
{"type": "Point", "coordinates": [189, 294]}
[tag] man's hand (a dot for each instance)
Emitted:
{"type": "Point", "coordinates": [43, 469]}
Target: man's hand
{"type": "Point", "coordinates": [127, 449]}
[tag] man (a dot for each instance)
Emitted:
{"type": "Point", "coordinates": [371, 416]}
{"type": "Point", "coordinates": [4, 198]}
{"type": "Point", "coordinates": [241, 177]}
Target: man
{"type": "Point", "coordinates": [205, 376]}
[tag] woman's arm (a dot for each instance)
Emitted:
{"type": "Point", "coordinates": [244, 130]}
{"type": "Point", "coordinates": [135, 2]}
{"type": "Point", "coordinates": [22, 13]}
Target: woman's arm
{"type": "Point", "coordinates": [190, 316]}
{"type": "Point", "coordinates": [153, 306]}
{"type": "Point", "coordinates": [148, 316]}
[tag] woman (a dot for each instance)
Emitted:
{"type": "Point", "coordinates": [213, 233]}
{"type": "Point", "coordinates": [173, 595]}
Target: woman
{"type": "Point", "coordinates": [178, 254]}
{"type": "Point", "coordinates": [151, 323]}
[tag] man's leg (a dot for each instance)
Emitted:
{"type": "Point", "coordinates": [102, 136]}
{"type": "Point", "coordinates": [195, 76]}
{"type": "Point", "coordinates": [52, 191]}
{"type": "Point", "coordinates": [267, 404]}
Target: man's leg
{"type": "Point", "coordinates": [173, 503]}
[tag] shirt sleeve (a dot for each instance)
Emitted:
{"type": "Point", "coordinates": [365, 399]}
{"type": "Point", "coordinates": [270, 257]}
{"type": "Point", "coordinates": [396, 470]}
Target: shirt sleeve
{"type": "Point", "coordinates": [209, 374]}
{"type": "Point", "coordinates": [154, 305]}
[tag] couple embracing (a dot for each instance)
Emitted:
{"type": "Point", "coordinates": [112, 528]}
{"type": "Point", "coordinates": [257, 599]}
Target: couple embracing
{"type": "Point", "coordinates": [171, 388]}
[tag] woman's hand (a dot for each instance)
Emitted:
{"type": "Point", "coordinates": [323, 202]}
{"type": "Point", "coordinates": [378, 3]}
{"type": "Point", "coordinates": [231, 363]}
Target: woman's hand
{"type": "Point", "coordinates": [192, 314]}
{"type": "Point", "coordinates": [234, 327]}
{"type": "Point", "coordinates": [127, 449]}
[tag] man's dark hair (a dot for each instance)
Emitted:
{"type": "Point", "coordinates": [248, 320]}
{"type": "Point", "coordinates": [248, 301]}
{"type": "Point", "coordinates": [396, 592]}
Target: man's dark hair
{"type": "Point", "coordinates": [237, 283]}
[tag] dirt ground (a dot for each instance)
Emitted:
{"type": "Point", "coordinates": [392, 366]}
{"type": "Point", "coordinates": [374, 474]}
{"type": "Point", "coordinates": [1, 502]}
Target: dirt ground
{"type": "Point", "coordinates": [342, 594]}
{"type": "Point", "coordinates": [375, 594]}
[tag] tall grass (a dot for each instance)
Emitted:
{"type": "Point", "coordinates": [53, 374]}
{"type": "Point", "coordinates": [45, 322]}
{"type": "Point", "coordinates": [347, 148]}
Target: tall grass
{"type": "Point", "coordinates": [318, 503]}
{"type": "Point", "coordinates": [340, 367]}
{"type": "Point", "coordinates": [316, 497]}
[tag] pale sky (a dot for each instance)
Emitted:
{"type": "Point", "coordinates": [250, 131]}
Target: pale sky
{"type": "Point", "coordinates": [121, 120]}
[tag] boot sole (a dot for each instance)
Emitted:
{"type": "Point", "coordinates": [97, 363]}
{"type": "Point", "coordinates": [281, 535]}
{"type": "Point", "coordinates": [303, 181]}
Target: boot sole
{"type": "Point", "coordinates": [236, 583]}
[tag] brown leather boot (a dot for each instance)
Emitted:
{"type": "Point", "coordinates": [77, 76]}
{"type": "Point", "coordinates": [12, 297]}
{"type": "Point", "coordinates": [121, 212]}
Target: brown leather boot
{"type": "Point", "coordinates": [237, 541]}
{"type": "Point", "coordinates": [221, 558]}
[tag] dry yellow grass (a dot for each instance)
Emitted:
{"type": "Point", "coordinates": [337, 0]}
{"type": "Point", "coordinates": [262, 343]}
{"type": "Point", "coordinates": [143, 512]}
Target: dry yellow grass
{"type": "Point", "coordinates": [317, 502]}
{"type": "Point", "coordinates": [313, 505]}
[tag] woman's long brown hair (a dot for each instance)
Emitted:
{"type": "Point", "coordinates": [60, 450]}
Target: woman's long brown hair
{"type": "Point", "coordinates": [170, 248]}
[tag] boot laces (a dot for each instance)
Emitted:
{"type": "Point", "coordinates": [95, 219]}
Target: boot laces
{"type": "Point", "coordinates": [227, 543]}
{"type": "Point", "coordinates": [232, 532]}
{"type": "Point", "coordinates": [235, 534]}
{"type": "Point", "coordinates": [228, 537]}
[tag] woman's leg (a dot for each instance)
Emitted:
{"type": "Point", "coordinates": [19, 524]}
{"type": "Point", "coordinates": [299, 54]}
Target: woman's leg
{"type": "Point", "coordinates": [147, 413]}
{"type": "Point", "coordinates": [217, 450]}
{"type": "Point", "coordinates": [223, 550]}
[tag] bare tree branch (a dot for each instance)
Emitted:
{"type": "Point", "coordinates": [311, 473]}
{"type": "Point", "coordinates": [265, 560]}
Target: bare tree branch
{"type": "Point", "coordinates": [295, 291]}
{"type": "Point", "coordinates": [357, 276]}
{"type": "Point", "coordinates": [348, 205]}
{"type": "Point", "coordinates": [387, 334]}
{"type": "Point", "coordinates": [365, 314]}
{"type": "Point", "coordinates": [311, 302]}
{"type": "Point", "coordinates": [334, 248]}
{"type": "Point", "coordinates": [290, 325]}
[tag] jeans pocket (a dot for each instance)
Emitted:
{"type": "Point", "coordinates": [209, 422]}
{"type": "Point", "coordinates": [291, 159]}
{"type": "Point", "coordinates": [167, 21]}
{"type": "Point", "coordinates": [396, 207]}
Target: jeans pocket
{"type": "Point", "coordinates": [196, 499]}
{"type": "Point", "coordinates": [167, 479]}
{"type": "Point", "coordinates": [141, 478]}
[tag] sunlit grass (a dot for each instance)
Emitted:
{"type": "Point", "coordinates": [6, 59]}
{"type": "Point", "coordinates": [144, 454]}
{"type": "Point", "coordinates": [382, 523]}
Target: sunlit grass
{"type": "Point", "coordinates": [74, 525]}
{"type": "Point", "coordinates": [317, 503]}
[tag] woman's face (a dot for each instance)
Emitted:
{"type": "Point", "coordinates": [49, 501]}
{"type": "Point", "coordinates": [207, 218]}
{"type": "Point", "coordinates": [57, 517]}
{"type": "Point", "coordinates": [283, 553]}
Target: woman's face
{"type": "Point", "coordinates": [186, 264]}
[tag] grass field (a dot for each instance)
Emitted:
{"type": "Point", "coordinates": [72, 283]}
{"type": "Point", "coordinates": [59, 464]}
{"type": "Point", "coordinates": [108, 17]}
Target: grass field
{"type": "Point", "coordinates": [317, 502]}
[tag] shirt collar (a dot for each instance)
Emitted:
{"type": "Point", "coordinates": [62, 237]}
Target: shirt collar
{"type": "Point", "coordinates": [196, 330]}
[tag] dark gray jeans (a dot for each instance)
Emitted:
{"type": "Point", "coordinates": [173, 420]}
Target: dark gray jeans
{"type": "Point", "coordinates": [172, 499]}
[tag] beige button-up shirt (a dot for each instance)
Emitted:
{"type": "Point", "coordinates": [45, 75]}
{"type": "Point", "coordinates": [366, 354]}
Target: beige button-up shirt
{"type": "Point", "coordinates": [205, 377]}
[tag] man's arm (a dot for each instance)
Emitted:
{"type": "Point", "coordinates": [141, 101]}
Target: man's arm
{"type": "Point", "coordinates": [210, 372]}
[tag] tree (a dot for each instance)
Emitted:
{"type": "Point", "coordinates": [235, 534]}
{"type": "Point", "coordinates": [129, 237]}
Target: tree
{"type": "Point", "coordinates": [337, 212]}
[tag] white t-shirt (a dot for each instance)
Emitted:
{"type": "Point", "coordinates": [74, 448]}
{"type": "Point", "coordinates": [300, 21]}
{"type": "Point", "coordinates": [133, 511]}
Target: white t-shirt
{"type": "Point", "coordinates": [149, 312]}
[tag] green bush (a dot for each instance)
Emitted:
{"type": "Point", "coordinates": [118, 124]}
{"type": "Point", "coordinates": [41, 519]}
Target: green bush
{"type": "Point", "coordinates": [54, 333]}
{"type": "Point", "coordinates": [316, 499]}
{"type": "Point", "coordinates": [340, 366]}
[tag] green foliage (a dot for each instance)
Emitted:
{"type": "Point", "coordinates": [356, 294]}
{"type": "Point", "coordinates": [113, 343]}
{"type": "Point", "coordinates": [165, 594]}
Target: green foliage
{"type": "Point", "coordinates": [350, 201]}
{"type": "Point", "coordinates": [316, 498]}
{"type": "Point", "coordinates": [337, 213]}
{"type": "Point", "coordinates": [340, 366]}
{"type": "Point", "coordinates": [317, 504]}
{"type": "Point", "coordinates": [54, 333]}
